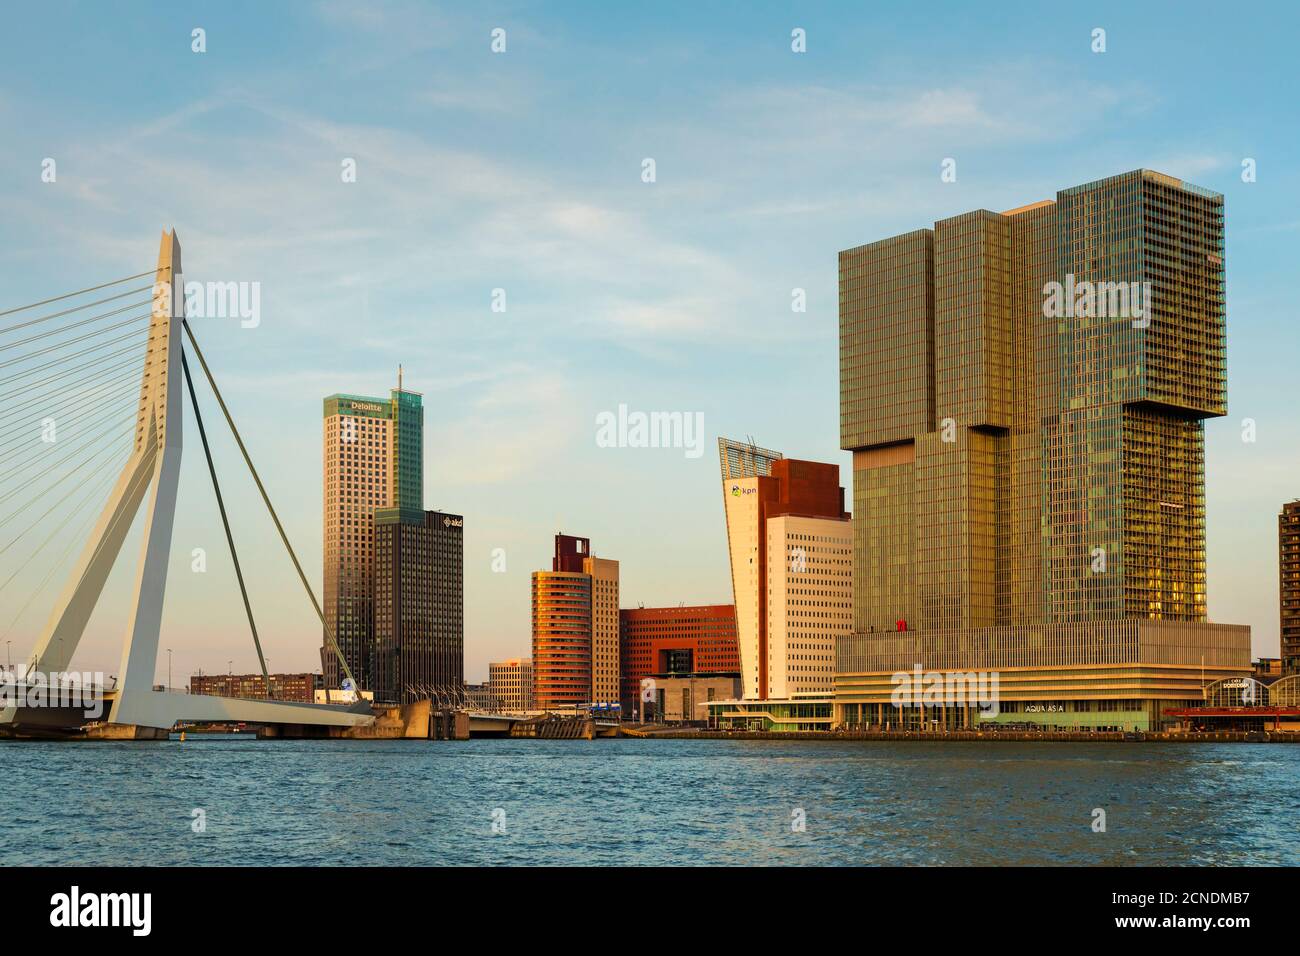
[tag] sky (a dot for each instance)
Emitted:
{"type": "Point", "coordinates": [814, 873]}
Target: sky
{"type": "Point", "coordinates": [522, 171]}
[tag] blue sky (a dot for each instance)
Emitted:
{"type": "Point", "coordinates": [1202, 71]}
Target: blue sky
{"type": "Point", "coordinates": [522, 171]}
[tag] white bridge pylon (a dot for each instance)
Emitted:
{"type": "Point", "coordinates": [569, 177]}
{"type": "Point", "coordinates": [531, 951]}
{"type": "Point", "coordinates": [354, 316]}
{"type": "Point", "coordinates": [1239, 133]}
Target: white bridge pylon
{"type": "Point", "coordinates": [153, 470]}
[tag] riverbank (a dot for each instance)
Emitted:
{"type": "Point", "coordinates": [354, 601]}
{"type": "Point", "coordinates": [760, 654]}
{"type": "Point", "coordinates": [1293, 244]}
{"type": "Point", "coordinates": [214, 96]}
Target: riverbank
{"type": "Point", "coordinates": [1006, 736]}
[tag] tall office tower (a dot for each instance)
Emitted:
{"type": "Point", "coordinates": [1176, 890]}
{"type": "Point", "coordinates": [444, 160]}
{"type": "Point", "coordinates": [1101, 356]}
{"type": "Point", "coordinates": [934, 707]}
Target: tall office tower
{"type": "Point", "coordinates": [373, 459]}
{"type": "Point", "coordinates": [562, 604]}
{"type": "Point", "coordinates": [1288, 541]}
{"type": "Point", "coordinates": [511, 684]}
{"type": "Point", "coordinates": [575, 628]}
{"type": "Point", "coordinates": [1023, 394]}
{"type": "Point", "coordinates": [604, 629]}
{"type": "Point", "coordinates": [419, 605]}
{"type": "Point", "coordinates": [791, 572]}
{"type": "Point", "coordinates": [674, 640]}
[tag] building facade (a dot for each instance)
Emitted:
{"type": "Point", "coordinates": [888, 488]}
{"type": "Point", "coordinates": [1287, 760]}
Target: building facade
{"type": "Point", "coordinates": [604, 629]}
{"type": "Point", "coordinates": [297, 687]}
{"type": "Point", "coordinates": [511, 683]}
{"type": "Point", "coordinates": [791, 570]}
{"type": "Point", "coordinates": [575, 628]}
{"type": "Point", "coordinates": [373, 459]}
{"type": "Point", "coordinates": [679, 640]}
{"type": "Point", "coordinates": [1288, 542]}
{"type": "Point", "coordinates": [685, 697]}
{"type": "Point", "coordinates": [809, 602]}
{"type": "Point", "coordinates": [418, 604]}
{"type": "Point", "coordinates": [1024, 395]}
{"type": "Point", "coordinates": [480, 696]}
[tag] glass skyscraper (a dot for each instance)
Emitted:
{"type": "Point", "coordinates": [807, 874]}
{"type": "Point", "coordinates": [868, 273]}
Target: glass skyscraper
{"type": "Point", "coordinates": [1024, 395]}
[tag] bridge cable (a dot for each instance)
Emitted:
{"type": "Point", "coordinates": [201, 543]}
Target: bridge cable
{"type": "Point", "coordinates": [225, 523]}
{"type": "Point", "coordinates": [74, 340]}
{"type": "Point", "coordinates": [17, 360]}
{"type": "Point", "coordinates": [50, 333]}
{"type": "Point", "coordinates": [95, 492]}
{"type": "Point", "coordinates": [133, 349]}
{"type": "Point", "coordinates": [40, 368]}
{"type": "Point", "coordinates": [68, 473]}
{"type": "Point", "coordinates": [103, 411]}
{"type": "Point", "coordinates": [86, 394]}
{"type": "Point", "coordinates": [14, 433]}
{"type": "Point", "coordinates": [56, 504]}
{"type": "Point", "coordinates": [79, 308]}
{"type": "Point", "coordinates": [329, 634]}
{"type": "Point", "coordinates": [69, 295]}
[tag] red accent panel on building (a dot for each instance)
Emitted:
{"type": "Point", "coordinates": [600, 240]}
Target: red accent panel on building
{"type": "Point", "coordinates": [570, 551]}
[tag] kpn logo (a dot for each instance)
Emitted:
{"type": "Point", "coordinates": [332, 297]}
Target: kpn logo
{"type": "Point", "coordinates": [75, 909]}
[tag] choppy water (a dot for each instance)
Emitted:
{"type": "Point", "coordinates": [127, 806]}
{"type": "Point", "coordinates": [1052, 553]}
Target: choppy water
{"type": "Point", "coordinates": [647, 802]}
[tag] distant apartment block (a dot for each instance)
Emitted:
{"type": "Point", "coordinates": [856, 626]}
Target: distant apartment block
{"type": "Point", "coordinates": [511, 683]}
{"type": "Point", "coordinates": [297, 687]}
{"type": "Point", "coordinates": [481, 696]}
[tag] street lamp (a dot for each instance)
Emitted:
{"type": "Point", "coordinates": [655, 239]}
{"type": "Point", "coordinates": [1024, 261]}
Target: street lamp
{"type": "Point", "coordinates": [169, 670]}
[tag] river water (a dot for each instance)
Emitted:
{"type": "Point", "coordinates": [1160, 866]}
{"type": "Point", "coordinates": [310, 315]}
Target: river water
{"type": "Point", "coordinates": [239, 801]}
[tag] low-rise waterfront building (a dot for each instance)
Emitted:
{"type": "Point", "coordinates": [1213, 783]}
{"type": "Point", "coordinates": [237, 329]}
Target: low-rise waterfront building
{"type": "Point", "coordinates": [803, 712]}
{"type": "Point", "coordinates": [685, 697]}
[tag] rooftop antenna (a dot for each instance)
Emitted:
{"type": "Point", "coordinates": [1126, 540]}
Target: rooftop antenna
{"type": "Point", "coordinates": [399, 377]}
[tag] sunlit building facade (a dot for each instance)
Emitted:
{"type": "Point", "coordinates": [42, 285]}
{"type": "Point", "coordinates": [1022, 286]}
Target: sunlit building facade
{"type": "Point", "coordinates": [373, 459]}
{"type": "Point", "coordinates": [511, 684]}
{"type": "Point", "coordinates": [677, 640]}
{"type": "Point", "coordinates": [575, 629]}
{"type": "Point", "coordinates": [1288, 542]}
{"type": "Point", "coordinates": [790, 544]}
{"type": "Point", "coordinates": [1024, 395]}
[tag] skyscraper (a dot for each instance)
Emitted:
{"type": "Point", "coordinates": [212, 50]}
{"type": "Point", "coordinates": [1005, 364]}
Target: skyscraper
{"type": "Point", "coordinates": [373, 459]}
{"type": "Point", "coordinates": [419, 604]}
{"type": "Point", "coordinates": [1023, 394]}
{"type": "Point", "coordinates": [1288, 543]}
{"type": "Point", "coordinates": [604, 629]}
{"type": "Point", "coordinates": [575, 628]}
{"type": "Point", "coordinates": [790, 542]}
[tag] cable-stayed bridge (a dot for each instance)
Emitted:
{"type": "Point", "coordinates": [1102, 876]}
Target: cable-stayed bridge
{"type": "Point", "coordinates": [76, 359]}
